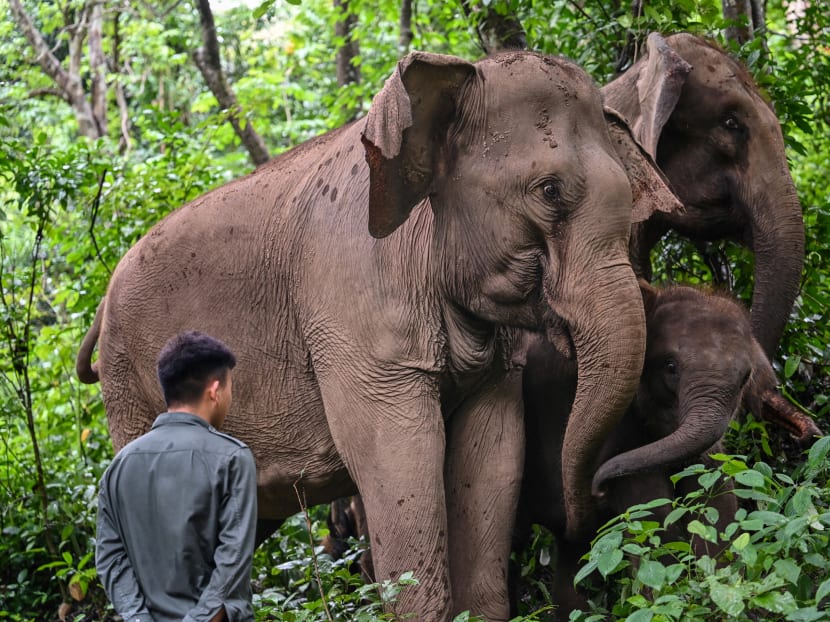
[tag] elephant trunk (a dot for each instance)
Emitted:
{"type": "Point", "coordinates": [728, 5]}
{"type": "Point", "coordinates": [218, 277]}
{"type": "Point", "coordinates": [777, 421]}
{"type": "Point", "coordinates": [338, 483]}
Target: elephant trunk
{"type": "Point", "coordinates": [777, 229]}
{"type": "Point", "coordinates": [762, 397]}
{"type": "Point", "coordinates": [703, 421]}
{"type": "Point", "coordinates": [604, 314]}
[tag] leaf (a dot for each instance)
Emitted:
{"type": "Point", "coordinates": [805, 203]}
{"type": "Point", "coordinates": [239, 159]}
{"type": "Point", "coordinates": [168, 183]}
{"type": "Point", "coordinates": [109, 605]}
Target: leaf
{"type": "Point", "coordinates": [634, 549]}
{"type": "Point", "coordinates": [707, 532]}
{"type": "Point", "coordinates": [675, 515]}
{"type": "Point", "coordinates": [674, 572]}
{"type": "Point", "coordinates": [625, 20]}
{"type": "Point", "coordinates": [76, 590]}
{"type": "Point", "coordinates": [818, 452]}
{"type": "Point", "coordinates": [263, 7]}
{"type": "Point", "coordinates": [707, 480]}
{"type": "Point", "coordinates": [823, 590]}
{"type": "Point", "coordinates": [585, 571]}
{"type": "Point", "coordinates": [802, 501]}
{"type": "Point", "coordinates": [807, 614]}
{"type": "Point", "coordinates": [652, 574]}
{"type": "Point", "coordinates": [750, 478]}
{"type": "Point", "coordinates": [642, 615]}
{"type": "Point", "coordinates": [608, 561]}
{"type": "Point", "coordinates": [791, 365]}
{"type": "Point", "coordinates": [777, 602]}
{"type": "Point", "coordinates": [740, 543]}
{"type": "Point", "coordinates": [727, 598]}
{"type": "Point", "coordinates": [787, 569]}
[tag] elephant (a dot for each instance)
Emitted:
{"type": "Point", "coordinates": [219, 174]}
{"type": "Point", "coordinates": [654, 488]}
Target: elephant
{"type": "Point", "coordinates": [698, 113]}
{"type": "Point", "coordinates": [701, 358]}
{"type": "Point", "coordinates": [701, 362]}
{"type": "Point", "coordinates": [379, 285]}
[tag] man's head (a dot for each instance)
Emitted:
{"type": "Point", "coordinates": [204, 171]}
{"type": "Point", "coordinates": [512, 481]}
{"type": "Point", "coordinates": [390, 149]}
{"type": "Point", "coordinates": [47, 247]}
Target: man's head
{"type": "Point", "coordinates": [194, 373]}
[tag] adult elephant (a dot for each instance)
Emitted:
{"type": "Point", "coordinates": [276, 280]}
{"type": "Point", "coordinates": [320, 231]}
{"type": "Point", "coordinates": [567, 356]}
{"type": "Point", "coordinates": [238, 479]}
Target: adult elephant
{"type": "Point", "coordinates": [701, 359]}
{"type": "Point", "coordinates": [495, 203]}
{"type": "Point", "coordinates": [697, 111]}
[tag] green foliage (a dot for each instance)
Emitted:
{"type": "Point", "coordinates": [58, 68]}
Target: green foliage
{"type": "Point", "coordinates": [69, 209]}
{"type": "Point", "coordinates": [773, 564]}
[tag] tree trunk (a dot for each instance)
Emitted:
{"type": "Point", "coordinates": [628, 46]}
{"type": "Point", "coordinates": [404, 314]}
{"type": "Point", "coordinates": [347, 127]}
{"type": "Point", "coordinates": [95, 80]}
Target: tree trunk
{"type": "Point", "coordinates": [495, 32]}
{"type": "Point", "coordinates": [405, 36]}
{"type": "Point", "coordinates": [751, 22]}
{"type": "Point", "coordinates": [124, 143]}
{"type": "Point", "coordinates": [210, 65]}
{"type": "Point", "coordinates": [91, 117]}
{"type": "Point", "coordinates": [740, 13]}
{"type": "Point", "coordinates": [97, 67]}
{"type": "Point", "coordinates": [347, 71]}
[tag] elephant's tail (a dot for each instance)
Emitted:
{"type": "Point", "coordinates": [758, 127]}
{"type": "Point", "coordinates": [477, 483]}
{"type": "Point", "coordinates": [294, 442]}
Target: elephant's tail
{"type": "Point", "coordinates": [87, 370]}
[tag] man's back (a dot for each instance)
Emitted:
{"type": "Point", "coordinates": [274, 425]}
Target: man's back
{"type": "Point", "coordinates": [168, 496]}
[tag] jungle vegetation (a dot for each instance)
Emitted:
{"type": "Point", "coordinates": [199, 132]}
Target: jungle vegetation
{"type": "Point", "coordinates": [114, 113]}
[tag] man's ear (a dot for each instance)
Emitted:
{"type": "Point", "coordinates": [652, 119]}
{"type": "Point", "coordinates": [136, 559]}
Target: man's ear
{"type": "Point", "coordinates": [212, 389]}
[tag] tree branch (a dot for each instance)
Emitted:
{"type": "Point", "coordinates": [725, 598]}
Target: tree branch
{"type": "Point", "coordinates": [46, 92]}
{"type": "Point", "coordinates": [69, 83]}
{"type": "Point", "coordinates": [208, 61]}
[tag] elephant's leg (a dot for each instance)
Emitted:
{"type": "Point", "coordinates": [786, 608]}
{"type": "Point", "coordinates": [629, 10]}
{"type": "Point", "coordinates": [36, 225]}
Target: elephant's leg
{"type": "Point", "coordinates": [485, 456]}
{"type": "Point", "coordinates": [565, 596]}
{"type": "Point", "coordinates": [391, 438]}
{"type": "Point", "coordinates": [265, 528]}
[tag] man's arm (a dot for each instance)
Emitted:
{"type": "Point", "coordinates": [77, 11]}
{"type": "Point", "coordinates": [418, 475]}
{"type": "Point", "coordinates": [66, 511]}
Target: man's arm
{"type": "Point", "coordinates": [229, 586]}
{"type": "Point", "coordinates": [113, 564]}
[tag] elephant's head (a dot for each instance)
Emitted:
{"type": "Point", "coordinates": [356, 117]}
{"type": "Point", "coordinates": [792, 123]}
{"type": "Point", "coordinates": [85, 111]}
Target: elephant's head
{"type": "Point", "coordinates": [532, 209]}
{"type": "Point", "coordinates": [698, 112]}
{"type": "Point", "coordinates": [701, 361]}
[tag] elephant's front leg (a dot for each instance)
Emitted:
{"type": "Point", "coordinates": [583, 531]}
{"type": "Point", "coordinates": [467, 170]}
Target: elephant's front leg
{"type": "Point", "coordinates": [390, 434]}
{"type": "Point", "coordinates": [485, 456]}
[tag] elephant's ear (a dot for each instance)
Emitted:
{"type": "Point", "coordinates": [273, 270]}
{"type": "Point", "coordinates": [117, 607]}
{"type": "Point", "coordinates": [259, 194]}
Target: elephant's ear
{"type": "Point", "coordinates": [650, 189]}
{"type": "Point", "coordinates": [403, 132]}
{"type": "Point", "coordinates": [647, 93]}
{"type": "Point", "coordinates": [650, 295]}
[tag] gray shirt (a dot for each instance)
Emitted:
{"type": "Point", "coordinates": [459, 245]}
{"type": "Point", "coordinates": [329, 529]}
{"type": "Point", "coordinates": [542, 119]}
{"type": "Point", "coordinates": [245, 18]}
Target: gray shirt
{"type": "Point", "coordinates": [176, 524]}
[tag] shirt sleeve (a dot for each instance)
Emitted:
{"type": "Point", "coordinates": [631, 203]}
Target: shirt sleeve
{"type": "Point", "coordinates": [230, 581]}
{"type": "Point", "coordinates": [113, 564]}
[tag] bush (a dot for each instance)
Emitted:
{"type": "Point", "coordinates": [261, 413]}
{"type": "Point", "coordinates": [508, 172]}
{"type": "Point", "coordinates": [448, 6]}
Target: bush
{"type": "Point", "coordinates": [774, 565]}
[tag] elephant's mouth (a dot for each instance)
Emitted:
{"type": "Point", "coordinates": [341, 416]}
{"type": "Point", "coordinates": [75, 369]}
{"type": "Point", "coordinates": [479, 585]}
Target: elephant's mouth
{"type": "Point", "coordinates": [556, 330]}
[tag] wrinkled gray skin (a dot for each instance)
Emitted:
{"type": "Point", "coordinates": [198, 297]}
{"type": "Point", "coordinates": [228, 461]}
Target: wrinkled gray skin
{"type": "Point", "coordinates": [392, 362]}
{"type": "Point", "coordinates": [699, 114]}
{"type": "Point", "coordinates": [700, 358]}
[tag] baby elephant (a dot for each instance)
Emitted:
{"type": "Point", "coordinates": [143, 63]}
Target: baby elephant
{"type": "Point", "coordinates": [701, 363]}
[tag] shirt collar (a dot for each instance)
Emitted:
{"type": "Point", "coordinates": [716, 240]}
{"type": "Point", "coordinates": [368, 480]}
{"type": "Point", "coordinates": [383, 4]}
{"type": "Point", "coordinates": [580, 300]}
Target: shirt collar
{"type": "Point", "coordinates": [180, 417]}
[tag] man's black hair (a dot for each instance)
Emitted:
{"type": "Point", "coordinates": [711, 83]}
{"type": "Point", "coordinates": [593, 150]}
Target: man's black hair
{"type": "Point", "coordinates": [186, 364]}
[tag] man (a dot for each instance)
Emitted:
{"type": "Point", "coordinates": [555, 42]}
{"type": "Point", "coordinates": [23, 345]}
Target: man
{"type": "Point", "coordinates": [177, 506]}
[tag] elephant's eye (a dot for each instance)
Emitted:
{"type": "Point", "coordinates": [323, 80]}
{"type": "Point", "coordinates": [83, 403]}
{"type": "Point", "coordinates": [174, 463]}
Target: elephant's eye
{"type": "Point", "coordinates": [550, 190]}
{"type": "Point", "coordinates": [671, 366]}
{"type": "Point", "coordinates": [731, 123]}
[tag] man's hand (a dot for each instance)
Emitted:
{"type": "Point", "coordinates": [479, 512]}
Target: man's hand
{"type": "Point", "coordinates": [219, 617]}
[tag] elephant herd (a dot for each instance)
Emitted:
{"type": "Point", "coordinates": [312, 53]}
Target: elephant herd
{"type": "Point", "coordinates": [438, 305]}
